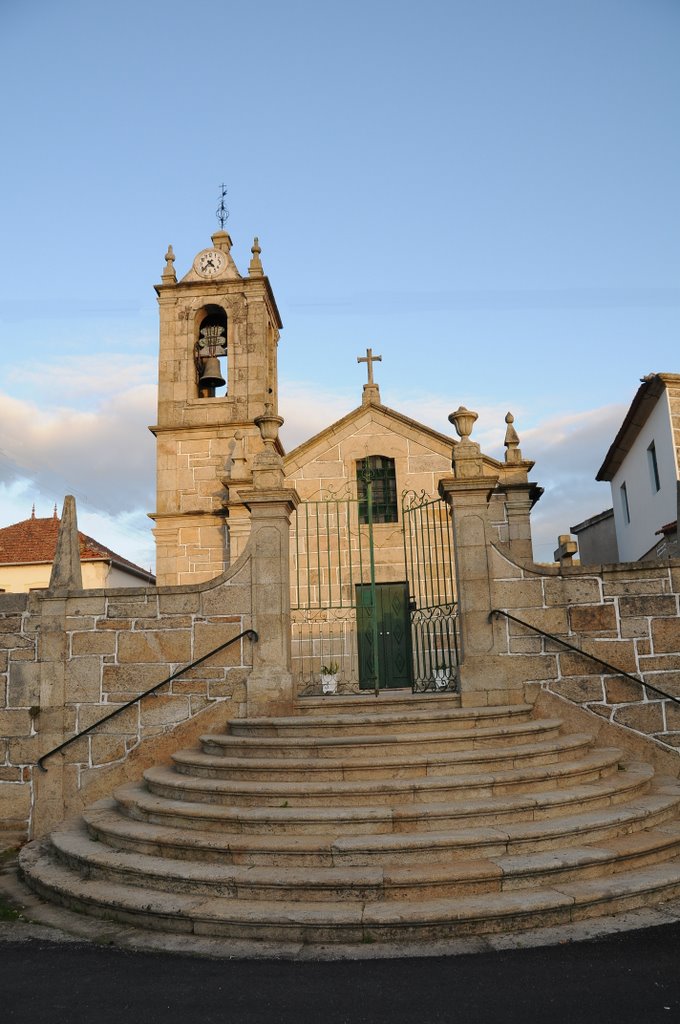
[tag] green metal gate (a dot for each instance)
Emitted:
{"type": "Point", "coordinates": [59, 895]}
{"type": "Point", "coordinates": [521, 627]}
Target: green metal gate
{"type": "Point", "coordinates": [392, 658]}
{"type": "Point", "coordinates": [428, 555]}
{"type": "Point", "coordinates": [389, 627]}
{"type": "Point", "coordinates": [330, 557]}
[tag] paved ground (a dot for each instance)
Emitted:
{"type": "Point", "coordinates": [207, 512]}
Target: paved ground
{"type": "Point", "coordinates": [606, 971]}
{"type": "Point", "coordinates": [629, 978]}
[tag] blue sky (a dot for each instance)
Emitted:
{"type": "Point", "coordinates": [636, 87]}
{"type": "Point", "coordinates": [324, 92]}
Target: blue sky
{"type": "Point", "coordinates": [485, 192]}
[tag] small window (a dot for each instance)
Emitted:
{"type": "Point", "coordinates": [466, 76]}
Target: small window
{"type": "Point", "coordinates": [653, 467]}
{"type": "Point", "coordinates": [624, 503]}
{"type": "Point", "coordinates": [380, 470]}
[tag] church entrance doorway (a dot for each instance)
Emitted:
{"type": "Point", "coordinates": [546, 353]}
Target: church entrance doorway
{"type": "Point", "coordinates": [392, 659]}
{"type": "Point", "coordinates": [373, 604]}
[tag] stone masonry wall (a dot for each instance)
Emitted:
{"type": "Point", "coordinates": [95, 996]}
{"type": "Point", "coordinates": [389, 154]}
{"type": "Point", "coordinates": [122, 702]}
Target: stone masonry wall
{"type": "Point", "coordinates": [627, 614]}
{"type": "Point", "coordinates": [65, 662]}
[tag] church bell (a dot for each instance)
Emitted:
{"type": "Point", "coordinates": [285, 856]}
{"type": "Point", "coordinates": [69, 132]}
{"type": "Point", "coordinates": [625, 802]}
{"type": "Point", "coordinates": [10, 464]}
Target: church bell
{"type": "Point", "coordinates": [211, 376]}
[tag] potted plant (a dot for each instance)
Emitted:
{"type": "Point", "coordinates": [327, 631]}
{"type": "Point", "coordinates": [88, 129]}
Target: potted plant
{"type": "Point", "coordinates": [329, 677]}
{"type": "Point", "coordinates": [442, 674]}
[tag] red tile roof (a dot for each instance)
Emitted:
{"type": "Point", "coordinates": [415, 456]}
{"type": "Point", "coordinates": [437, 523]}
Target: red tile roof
{"type": "Point", "coordinates": [35, 541]}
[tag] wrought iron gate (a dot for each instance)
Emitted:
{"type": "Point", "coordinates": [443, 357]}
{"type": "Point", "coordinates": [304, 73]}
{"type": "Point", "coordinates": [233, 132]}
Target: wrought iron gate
{"type": "Point", "coordinates": [329, 558]}
{"type": "Point", "coordinates": [428, 555]}
{"type": "Point", "coordinates": [360, 608]}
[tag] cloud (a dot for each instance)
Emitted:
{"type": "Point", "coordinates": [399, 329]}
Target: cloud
{"type": "Point", "coordinates": [307, 409]}
{"type": "Point", "coordinates": [93, 378]}
{"type": "Point", "coordinates": [126, 533]}
{"type": "Point", "coordinates": [94, 443]}
{"type": "Point", "coordinates": [568, 451]}
{"type": "Point", "coordinates": [104, 455]}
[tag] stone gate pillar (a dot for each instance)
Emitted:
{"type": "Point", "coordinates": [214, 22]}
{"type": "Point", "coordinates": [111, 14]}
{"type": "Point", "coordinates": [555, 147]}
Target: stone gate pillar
{"type": "Point", "coordinates": [270, 684]}
{"type": "Point", "coordinates": [468, 493]}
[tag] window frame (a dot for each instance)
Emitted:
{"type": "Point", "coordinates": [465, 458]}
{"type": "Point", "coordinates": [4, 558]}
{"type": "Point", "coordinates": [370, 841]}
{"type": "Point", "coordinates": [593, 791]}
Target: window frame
{"type": "Point", "coordinates": [623, 490]}
{"type": "Point", "coordinates": [385, 506]}
{"type": "Point", "coordinates": [653, 464]}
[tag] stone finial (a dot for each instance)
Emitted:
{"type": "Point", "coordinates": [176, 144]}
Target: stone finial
{"type": "Point", "coordinates": [467, 455]}
{"type": "Point", "coordinates": [463, 420]}
{"type": "Point", "coordinates": [566, 549]}
{"type": "Point", "coordinates": [169, 276]}
{"type": "Point", "coordinates": [255, 265]}
{"type": "Point", "coordinates": [66, 571]}
{"type": "Point", "coordinates": [236, 460]}
{"type": "Point", "coordinates": [512, 450]}
{"type": "Point", "coordinates": [268, 464]}
{"type": "Point", "coordinates": [269, 425]}
{"type": "Point", "coordinates": [33, 511]}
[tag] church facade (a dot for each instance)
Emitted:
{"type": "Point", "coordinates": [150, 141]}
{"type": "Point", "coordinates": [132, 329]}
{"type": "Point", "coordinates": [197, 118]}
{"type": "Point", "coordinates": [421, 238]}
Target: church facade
{"type": "Point", "coordinates": [372, 565]}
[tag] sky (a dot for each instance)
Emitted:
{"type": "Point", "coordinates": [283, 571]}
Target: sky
{"type": "Point", "coordinates": [485, 192]}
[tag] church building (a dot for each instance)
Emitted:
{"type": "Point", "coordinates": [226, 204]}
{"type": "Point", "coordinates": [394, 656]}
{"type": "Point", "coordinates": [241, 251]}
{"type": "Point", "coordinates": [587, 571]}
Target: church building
{"type": "Point", "coordinates": [372, 565]}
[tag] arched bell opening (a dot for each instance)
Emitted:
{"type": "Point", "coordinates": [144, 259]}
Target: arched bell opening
{"type": "Point", "coordinates": [210, 353]}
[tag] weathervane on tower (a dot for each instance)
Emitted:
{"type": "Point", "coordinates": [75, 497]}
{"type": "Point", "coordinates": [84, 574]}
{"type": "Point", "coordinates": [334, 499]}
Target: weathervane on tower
{"type": "Point", "coordinates": [222, 211]}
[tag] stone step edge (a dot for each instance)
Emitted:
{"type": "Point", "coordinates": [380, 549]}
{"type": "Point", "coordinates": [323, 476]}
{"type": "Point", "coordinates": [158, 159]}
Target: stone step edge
{"type": "Point", "coordinates": [599, 761]}
{"type": "Point", "coordinates": [135, 794]}
{"type": "Point", "coordinates": [104, 823]}
{"type": "Point", "coordinates": [77, 850]}
{"type": "Point", "coordinates": [404, 698]}
{"type": "Point", "coordinates": [386, 718]}
{"type": "Point", "coordinates": [286, 742]}
{"type": "Point", "coordinates": [541, 748]}
{"type": "Point", "coordinates": [321, 922]}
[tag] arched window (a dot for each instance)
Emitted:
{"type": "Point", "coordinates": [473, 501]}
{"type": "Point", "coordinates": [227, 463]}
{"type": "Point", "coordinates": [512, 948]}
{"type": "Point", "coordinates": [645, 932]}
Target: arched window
{"type": "Point", "coordinates": [211, 353]}
{"type": "Point", "coordinates": [381, 473]}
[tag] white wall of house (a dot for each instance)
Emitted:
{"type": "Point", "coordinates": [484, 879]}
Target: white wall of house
{"type": "Point", "coordinates": [649, 508]}
{"type": "Point", "coordinates": [18, 579]}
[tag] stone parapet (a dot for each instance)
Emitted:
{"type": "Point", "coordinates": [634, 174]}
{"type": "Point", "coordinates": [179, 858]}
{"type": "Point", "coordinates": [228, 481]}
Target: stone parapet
{"type": "Point", "coordinates": [68, 660]}
{"type": "Point", "coordinates": [626, 614]}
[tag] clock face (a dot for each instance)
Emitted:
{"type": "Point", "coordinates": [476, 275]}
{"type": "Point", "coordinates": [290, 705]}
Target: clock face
{"type": "Point", "coordinates": [210, 262]}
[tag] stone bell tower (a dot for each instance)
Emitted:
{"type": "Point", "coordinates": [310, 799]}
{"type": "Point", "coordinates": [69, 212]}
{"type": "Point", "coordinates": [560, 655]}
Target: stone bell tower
{"type": "Point", "coordinates": [217, 374]}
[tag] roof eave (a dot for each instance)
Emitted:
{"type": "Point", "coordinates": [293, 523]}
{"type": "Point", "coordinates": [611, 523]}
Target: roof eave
{"type": "Point", "coordinates": [639, 412]}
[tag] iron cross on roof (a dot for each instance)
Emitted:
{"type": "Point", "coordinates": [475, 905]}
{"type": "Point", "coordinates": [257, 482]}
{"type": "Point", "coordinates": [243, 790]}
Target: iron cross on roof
{"type": "Point", "coordinates": [370, 359]}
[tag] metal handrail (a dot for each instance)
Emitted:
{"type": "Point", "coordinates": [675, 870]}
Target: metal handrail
{"type": "Point", "coordinates": [123, 707]}
{"type": "Point", "coordinates": [586, 654]}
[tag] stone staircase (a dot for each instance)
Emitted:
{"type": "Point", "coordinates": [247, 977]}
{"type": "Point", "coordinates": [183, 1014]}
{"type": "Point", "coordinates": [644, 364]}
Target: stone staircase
{"type": "Point", "coordinates": [364, 820]}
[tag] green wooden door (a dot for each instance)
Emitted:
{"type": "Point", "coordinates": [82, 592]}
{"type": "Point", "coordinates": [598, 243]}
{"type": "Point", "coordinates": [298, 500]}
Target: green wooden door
{"type": "Point", "coordinates": [394, 648]}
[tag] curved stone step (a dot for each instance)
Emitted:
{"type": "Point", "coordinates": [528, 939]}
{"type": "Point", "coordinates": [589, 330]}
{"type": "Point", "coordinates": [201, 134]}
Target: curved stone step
{"type": "Point", "coordinates": [542, 752]}
{"type": "Point", "coordinates": [75, 849]}
{"type": "Point", "coordinates": [138, 802]}
{"type": "Point", "coordinates": [357, 724]}
{"type": "Point", "coordinates": [366, 701]}
{"type": "Point", "coordinates": [378, 744]}
{"type": "Point", "coordinates": [166, 781]}
{"type": "Point", "coordinates": [106, 824]}
{"type": "Point", "coordinates": [349, 922]}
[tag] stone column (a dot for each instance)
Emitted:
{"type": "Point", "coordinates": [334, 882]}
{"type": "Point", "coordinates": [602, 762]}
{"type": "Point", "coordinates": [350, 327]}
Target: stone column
{"type": "Point", "coordinates": [51, 724]}
{"type": "Point", "coordinates": [518, 505]}
{"type": "Point", "coordinates": [66, 577]}
{"type": "Point", "coordinates": [239, 525]}
{"type": "Point", "coordinates": [270, 685]}
{"type": "Point", "coordinates": [520, 495]}
{"type": "Point", "coordinates": [468, 494]}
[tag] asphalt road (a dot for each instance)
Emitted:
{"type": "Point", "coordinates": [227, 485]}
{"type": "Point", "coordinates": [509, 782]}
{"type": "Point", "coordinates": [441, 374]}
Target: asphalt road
{"type": "Point", "coordinates": [629, 978]}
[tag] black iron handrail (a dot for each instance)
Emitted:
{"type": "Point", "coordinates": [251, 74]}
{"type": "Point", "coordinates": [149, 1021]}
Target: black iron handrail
{"type": "Point", "coordinates": [586, 654]}
{"type": "Point", "coordinates": [123, 707]}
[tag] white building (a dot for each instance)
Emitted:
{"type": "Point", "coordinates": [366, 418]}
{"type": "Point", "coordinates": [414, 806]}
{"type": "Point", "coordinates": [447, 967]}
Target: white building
{"type": "Point", "coordinates": [642, 467]}
{"type": "Point", "coordinates": [27, 552]}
